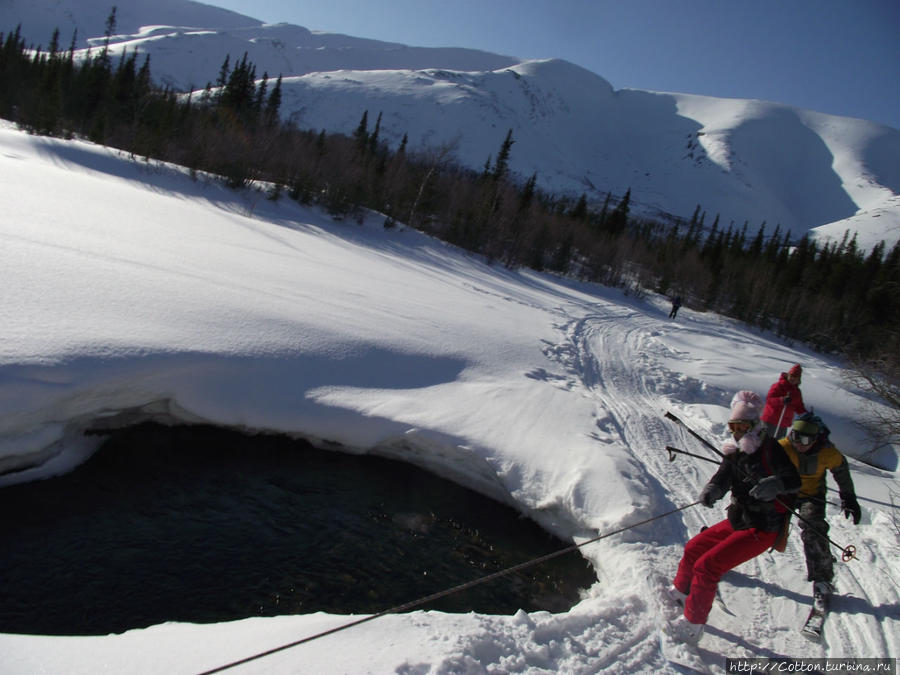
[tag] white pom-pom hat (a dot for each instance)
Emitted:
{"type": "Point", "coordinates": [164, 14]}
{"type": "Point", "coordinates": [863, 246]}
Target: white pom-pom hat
{"type": "Point", "coordinates": [746, 406]}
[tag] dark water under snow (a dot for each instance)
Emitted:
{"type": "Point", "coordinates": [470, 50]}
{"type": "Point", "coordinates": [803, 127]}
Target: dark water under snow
{"type": "Point", "coordinates": [199, 524]}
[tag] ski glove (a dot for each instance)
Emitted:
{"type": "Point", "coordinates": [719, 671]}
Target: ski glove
{"type": "Point", "coordinates": [767, 489]}
{"type": "Point", "coordinates": [710, 495]}
{"type": "Point", "coordinates": [850, 507]}
{"type": "Point", "coordinates": [787, 399]}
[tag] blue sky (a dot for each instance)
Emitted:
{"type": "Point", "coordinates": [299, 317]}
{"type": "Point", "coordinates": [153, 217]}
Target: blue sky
{"type": "Point", "coordinates": [835, 56]}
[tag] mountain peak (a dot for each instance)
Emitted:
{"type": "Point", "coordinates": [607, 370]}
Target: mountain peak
{"type": "Point", "coordinates": [743, 161]}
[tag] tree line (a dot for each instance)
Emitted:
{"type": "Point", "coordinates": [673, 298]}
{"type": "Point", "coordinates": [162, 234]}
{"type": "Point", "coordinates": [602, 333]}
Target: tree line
{"type": "Point", "coordinates": [835, 297]}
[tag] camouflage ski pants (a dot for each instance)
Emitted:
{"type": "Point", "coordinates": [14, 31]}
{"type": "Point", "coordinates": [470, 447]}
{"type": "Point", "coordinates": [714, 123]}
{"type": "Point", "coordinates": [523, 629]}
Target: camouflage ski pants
{"type": "Point", "coordinates": [814, 534]}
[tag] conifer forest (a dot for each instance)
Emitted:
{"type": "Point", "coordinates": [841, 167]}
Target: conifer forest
{"type": "Point", "coordinates": [836, 298]}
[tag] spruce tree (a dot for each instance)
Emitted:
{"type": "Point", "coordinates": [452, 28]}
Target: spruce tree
{"type": "Point", "coordinates": [224, 71]}
{"type": "Point", "coordinates": [501, 166]}
{"type": "Point", "coordinates": [580, 212]}
{"type": "Point", "coordinates": [273, 105]}
{"type": "Point", "coordinates": [528, 191]}
{"type": "Point", "coordinates": [362, 132]}
{"type": "Point", "coordinates": [604, 212]}
{"type": "Point", "coordinates": [373, 139]}
{"type": "Point", "coordinates": [618, 219]}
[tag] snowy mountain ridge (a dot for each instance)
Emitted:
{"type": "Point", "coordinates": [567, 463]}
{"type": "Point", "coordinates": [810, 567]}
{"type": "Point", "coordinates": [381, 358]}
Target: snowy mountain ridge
{"type": "Point", "coordinates": [741, 160]}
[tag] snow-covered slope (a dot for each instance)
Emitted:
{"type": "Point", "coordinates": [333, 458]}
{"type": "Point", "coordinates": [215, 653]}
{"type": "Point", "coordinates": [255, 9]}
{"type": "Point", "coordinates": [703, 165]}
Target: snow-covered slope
{"type": "Point", "coordinates": [88, 17]}
{"type": "Point", "coordinates": [743, 160]}
{"type": "Point", "coordinates": [131, 289]}
{"type": "Point", "coordinates": [188, 41]}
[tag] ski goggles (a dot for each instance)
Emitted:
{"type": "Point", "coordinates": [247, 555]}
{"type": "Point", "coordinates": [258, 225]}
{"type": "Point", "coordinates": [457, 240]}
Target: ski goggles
{"type": "Point", "coordinates": [739, 425]}
{"type": "Point", "coordinates": [801, 438]}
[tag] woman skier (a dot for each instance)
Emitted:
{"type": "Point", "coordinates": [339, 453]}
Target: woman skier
{"type": "Point", "coordinates": [761, 479]}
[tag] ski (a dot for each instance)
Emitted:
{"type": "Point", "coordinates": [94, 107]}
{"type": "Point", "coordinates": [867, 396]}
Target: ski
{"type": "Point", "coordinates": [814, 625]}
{"type": "Point", "coordinates": [815, 622]}
{"type": "Point", "coordinates": [682, 657]}
{"type": "Point", "coordinates": [720, 601]}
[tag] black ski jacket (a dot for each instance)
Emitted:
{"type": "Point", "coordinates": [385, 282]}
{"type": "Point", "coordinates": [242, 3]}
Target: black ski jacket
{"type": "Point", "coordinates": [740, 472]}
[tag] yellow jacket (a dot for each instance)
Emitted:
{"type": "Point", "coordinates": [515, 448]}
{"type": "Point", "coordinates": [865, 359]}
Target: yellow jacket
{"type": "Point", "coordinates": [812, 464]}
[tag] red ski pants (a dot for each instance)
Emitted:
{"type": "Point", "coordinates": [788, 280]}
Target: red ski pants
{"type": "Point", "coordinates": [708, 556]}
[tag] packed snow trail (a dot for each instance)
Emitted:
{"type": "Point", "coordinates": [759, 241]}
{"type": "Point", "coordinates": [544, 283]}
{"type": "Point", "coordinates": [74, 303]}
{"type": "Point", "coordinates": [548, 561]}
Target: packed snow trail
{"type": "Point", "coordinates": [617, 354]}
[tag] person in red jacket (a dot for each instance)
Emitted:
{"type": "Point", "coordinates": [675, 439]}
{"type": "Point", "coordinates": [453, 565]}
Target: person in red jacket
{"type": "Point", "coordinates": [783, 401]}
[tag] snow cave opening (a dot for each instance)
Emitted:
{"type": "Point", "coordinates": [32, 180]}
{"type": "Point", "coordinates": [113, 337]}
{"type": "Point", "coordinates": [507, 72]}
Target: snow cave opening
{"type": "Point", "coordinates": [196, 523]}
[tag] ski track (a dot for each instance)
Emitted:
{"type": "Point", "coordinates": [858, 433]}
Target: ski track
{"type": "Point", "coordinates": [857, 594]}
{"type": "Point", "coordinates": [603, 350]}
{"type": "Point", "coordinates": [619, 364]}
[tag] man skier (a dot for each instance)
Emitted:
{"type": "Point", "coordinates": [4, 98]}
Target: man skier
{"type": "Point", "coordinates": [676, 305]}
{"type": "Point", "coordinates": [808, 447]}
{"type": "Point", "coordinates": [761, 479]}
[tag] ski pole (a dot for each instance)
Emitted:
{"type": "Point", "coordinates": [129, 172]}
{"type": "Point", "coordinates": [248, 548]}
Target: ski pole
{"type": "Point", "coordinates": [780, 417]}
{"type": "Point", "coordinates": [673, 451]}
{"type": "Point", "coordinates": [848, 552]}
{"type": "Point", "coordinates": [693, 433]}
